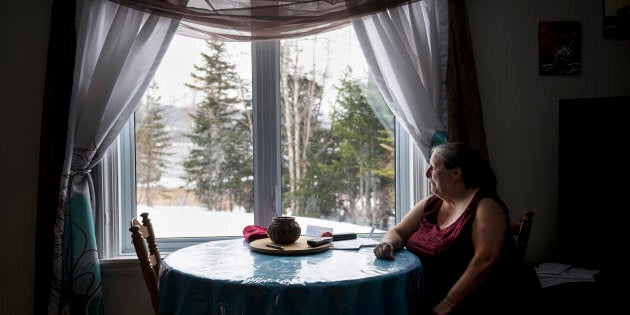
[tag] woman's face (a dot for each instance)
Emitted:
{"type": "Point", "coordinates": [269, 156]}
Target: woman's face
{"type": "Point", "coordinates": [437, 174]}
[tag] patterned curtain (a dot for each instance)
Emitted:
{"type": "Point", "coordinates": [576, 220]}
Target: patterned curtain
{"type": "Point", "coordinates": [118, 50]}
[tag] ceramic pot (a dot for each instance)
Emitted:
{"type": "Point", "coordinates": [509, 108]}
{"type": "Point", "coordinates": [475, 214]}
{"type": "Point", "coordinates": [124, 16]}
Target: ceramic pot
{"type": "Point", "coordinates": [284, 230]}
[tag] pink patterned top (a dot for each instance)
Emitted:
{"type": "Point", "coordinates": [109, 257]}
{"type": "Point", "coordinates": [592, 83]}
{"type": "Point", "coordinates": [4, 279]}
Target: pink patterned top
{"type": "Point", "coordinates": [445, 254]}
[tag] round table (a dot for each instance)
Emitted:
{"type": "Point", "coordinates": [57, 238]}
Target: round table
{"type": "Point", "coordinates": [226, 277]}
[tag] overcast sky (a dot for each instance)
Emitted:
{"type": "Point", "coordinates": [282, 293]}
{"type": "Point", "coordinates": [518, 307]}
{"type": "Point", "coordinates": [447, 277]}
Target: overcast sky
{"type": "Point", "coordinates": [184, 52]}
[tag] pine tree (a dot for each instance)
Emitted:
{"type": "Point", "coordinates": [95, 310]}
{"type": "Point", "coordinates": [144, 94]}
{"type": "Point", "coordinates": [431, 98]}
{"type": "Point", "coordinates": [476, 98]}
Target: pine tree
{"type": "Point", "coordinates": [221, 157]}
{"type": "Point", "coordinates": [356, 168]}
{"type": "Point", "coordinates": [152, 143]}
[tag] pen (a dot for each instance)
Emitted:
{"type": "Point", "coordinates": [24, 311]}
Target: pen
{"type": "Point", "coordinates": [275, 246]}
{"type": "Point", "coordinates": [372, 230]}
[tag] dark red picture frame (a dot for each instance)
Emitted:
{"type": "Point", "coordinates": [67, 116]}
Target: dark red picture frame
{"type": "Point", "coordinates": [559, 48]}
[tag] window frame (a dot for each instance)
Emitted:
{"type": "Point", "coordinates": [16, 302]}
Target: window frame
{"type": "Point", "coordinates": [115, 175]}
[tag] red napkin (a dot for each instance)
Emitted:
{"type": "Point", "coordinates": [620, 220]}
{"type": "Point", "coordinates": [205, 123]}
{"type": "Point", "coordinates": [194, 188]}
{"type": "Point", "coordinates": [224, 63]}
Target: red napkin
{"type": "Point", "coordinates": [254, 232]}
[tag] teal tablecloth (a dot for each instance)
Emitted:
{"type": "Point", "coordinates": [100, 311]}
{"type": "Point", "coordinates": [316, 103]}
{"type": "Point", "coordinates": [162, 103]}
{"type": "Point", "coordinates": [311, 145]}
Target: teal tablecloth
{"type": "Point", "coordinates": [225, 277]}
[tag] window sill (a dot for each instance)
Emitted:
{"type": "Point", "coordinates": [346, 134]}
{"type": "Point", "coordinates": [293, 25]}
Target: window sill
{"type": "Point", "coordinates": [120, 264]}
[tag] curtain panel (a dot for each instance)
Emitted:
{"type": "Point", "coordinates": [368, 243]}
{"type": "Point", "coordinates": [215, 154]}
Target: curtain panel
{"type": "Point", "coordinates": [117, 52]}
{"type": "Point", "coordinates": [421, 57]}
{"type": "Point", "coordinates": [260, 19]}
{"type": "Point", "coordinates": [406, 50]}
{"type": "Point", "coordinates": [465, 116]}
{"type": "Point", "coordinates": [54, 123]}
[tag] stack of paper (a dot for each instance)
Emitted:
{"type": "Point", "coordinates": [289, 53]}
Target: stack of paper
{"type": "Point", "coordinates": [554, 273]}
{"type": "Point", "coordinates": [354, 243]}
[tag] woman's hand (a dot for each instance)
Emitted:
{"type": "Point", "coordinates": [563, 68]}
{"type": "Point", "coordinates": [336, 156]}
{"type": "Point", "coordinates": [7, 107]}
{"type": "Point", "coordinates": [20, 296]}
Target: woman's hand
{"type": "Point", "coordinates": [442, 308]}
{"type": "Point", "coordinates": [384, 250]}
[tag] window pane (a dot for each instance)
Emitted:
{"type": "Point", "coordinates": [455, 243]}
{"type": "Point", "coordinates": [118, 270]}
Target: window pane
{"type": "Point", "coordinates": [194, 131]}
{"type": "Point", "coordinates": [337, 134]}
{"type": "Point", "coordinates": [194, 165]}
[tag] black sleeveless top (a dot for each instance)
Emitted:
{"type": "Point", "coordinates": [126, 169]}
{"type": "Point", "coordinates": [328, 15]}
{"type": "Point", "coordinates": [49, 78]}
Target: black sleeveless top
{"type": "Point", "coordinates": [445, 254]}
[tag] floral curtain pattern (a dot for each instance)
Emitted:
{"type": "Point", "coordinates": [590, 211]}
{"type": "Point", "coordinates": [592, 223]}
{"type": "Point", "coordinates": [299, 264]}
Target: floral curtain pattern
{"type": "Point", "coordinates": [118, 50]}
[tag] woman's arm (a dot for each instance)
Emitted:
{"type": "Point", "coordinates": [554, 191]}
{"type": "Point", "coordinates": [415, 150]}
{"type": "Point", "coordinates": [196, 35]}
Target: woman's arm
{"type": "Point", "coordinates": [488, 236]}
{"type": "Point", "coordinates": [395, 238]}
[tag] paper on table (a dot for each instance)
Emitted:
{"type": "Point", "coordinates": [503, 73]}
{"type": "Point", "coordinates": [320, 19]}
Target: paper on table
{"type": "Point", "coordinates": [552, 268]}
{"type": "Point", "coordinates": [354, 243]}
{"type": "Point", "coordinates": [553, 273]}
{"type": "Point", "coordinates": [316, 231]}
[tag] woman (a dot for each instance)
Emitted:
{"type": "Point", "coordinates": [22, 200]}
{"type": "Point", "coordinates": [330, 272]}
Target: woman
{"type": "Point", "coordinates": [461, 235]}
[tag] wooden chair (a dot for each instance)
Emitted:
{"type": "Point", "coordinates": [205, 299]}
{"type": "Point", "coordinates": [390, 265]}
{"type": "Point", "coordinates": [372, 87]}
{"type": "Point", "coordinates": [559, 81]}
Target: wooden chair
{"type": "Point", "coordinates": [143, 238]}
{"type": "Point", "coordinates": [521, 231]}
{"type": "Point", "coordinates": [529, 288]}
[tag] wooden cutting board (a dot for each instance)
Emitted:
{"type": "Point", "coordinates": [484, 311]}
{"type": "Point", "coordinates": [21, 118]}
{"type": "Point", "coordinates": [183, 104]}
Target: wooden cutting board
{"type": "Point", "coordinates": [298, 248]}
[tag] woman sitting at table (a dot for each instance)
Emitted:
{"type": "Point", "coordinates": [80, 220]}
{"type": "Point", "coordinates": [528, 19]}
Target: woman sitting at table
{"type": "Point", "coordinates": [461, 235]}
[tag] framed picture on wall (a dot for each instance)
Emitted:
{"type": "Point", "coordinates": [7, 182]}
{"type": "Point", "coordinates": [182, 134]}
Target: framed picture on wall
{"type": "Point", "coordinates": [559, 48]}
{"type": "Point", "coordinates": [617, 19]}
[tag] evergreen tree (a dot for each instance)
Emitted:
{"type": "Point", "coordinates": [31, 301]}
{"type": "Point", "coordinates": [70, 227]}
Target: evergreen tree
{"type": "Point", "coordinates": [152, 143]}
{"type": "Point", "coordinates": [220, 162]}
{"type": "Point", "coordinates": [356, 167]}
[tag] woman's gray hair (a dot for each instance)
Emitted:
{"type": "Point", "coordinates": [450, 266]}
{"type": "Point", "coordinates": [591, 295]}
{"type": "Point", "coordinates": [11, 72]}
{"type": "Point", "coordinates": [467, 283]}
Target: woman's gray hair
{"type": "Point", "coordinates": [476, 170]}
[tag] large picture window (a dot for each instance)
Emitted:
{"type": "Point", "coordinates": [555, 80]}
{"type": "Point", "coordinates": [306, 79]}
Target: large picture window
{"type": "Point", "coordinates": [231, 134]}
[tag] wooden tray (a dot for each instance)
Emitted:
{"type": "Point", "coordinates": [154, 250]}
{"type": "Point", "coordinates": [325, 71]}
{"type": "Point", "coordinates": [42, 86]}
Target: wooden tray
{"type": "Point", "coordinates": [298, 248]}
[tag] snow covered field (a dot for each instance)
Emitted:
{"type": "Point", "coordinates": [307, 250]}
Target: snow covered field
{"type": "Point", "coordinates": [186, 221]}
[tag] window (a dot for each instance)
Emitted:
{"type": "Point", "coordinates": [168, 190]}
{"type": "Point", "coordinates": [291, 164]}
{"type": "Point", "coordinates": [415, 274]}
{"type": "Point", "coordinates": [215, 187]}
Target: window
{"type": "Point", "coordinates": [231, 134]}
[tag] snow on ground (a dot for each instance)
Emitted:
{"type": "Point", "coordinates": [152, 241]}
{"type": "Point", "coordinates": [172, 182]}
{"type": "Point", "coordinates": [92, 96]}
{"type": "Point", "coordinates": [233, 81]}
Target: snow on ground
{"type": "Point", "coordinates": [178, 221]}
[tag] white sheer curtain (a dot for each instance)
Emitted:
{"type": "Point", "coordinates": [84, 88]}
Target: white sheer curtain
{"type": "Point", "coordinates": [118, 51]}
{"type": "Point", "coordinates": [407, 51]}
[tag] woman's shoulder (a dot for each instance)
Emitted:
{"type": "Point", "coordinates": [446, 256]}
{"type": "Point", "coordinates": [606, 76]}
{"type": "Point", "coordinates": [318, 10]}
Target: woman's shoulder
{"type": "Point", "coordinates": [427, 204]}
{"type": "Point", "coordinates": [488, 206]}
{"type": "Point", "coordinates": [490, 200]}
{"type": "Point", "coordinates": [430, 199]}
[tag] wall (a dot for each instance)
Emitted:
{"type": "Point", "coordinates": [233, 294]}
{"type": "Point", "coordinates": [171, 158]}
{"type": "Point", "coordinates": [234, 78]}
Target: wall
{"type": "Point", "coordinates": [520, 113]}
{"type": "Point", "coordinates": [521, 107]}
{"type": "Point", "coordinates": [23, 47]}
